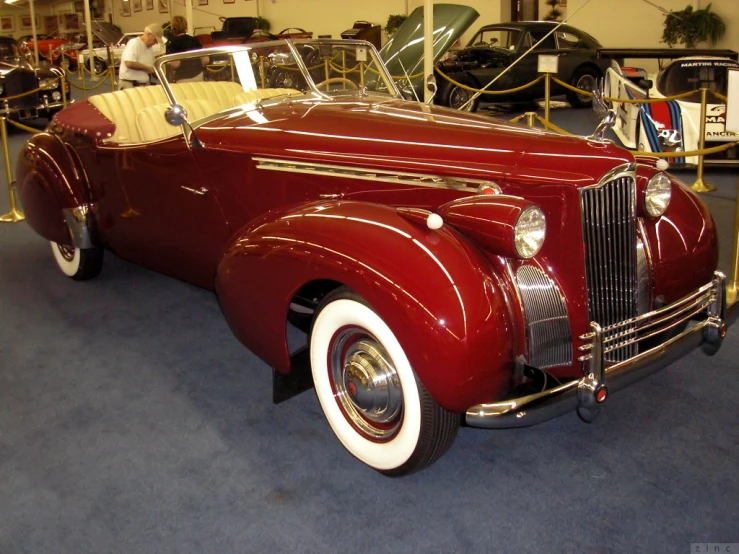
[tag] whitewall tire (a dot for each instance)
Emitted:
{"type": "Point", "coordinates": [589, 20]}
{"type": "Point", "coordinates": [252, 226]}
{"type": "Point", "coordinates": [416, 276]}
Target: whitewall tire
{"type": "Point", "coordinates": [371, 396]}
{"type": "Point", "coordinates": [79, 264]}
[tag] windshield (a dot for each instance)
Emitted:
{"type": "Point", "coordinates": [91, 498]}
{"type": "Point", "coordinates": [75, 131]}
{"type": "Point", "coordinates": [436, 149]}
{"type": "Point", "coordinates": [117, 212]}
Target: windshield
{"type": "Point", "coordinates": [9, 50]}
{"type": "Point", "coordinates": [693, 74]}
{"type": "Point", "coordinates": [321, 67]}
{"type": "Point", "coordinates": [500, 38]}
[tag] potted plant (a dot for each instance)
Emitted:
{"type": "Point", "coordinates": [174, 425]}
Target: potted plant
{"type": "Point", "coordinates": [690, 27]}
{"type": "Point", "coordinates": [554, 12]}
{"type": "Point", "coordinates": [393, 22]}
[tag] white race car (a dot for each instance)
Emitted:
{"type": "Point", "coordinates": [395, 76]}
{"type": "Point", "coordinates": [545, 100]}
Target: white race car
{"type": "Point", "coordinates": [673, 125]}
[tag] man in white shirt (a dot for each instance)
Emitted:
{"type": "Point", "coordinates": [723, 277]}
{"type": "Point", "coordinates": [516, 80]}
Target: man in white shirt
{"type": "Point", "coordinates": [137, 60]}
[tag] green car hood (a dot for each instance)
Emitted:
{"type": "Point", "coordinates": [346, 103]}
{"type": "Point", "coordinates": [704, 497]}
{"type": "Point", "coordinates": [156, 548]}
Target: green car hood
{"type": "Point", "coordinates": [403, 53]}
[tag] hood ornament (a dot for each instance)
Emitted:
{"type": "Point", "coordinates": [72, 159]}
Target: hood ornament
{"type": "Point", "coordinates": [606, 115]}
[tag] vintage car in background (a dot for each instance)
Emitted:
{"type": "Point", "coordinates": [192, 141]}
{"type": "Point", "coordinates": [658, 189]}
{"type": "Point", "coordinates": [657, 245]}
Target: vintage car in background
{"type": "Point", "coordinates": [101, 61]}
{"type": "Point", "coordinates": [18, 76]}
{"type": "Point", "coordinates": [496, 47]}
{"type": "Point", "coordinates": [403, 52]}
{"type": "Point", "coordinates": [243, 30]}
{"type": "Point", "coordinates": [674, 125]}
{"type": "Point", "coordinates": [443, 265]}
{"type": "Point", "coordinates": [46, 45]}
{"type": "Point", "coordinates": [492, 50]}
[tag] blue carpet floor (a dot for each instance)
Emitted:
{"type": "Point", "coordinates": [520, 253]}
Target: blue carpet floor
{"type": "Point", "coordinates": [131, 420]}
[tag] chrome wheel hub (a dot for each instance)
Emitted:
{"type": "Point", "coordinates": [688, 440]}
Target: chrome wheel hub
{"type": "Point", "coordinates": [586, 82]}
{"type": "Point", "coordinates": [459, 97]}
{"type": "Point", "coordinates": [366, 385]}
{"type": "Point", "coordinates": [66, 252]}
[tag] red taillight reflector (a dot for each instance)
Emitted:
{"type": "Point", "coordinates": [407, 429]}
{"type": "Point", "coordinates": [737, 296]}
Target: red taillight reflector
{"type": "Point", "coordinates": [601, 395]}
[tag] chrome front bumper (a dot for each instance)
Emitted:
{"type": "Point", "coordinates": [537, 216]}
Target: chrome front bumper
{"type": "Point", "coordinates": [586, 395]}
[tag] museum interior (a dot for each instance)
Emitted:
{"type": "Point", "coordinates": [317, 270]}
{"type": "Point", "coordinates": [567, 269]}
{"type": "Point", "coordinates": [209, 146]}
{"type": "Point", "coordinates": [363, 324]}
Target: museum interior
{"type": "Point", "coordinates": [334, 277]}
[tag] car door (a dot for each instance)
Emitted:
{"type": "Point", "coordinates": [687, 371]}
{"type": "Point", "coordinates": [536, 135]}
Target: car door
{"type": "Point", "coordinates": [527, 69]}
{"type": "Point", "coordinates": [157, 209]}
{"type": "Point", "coordinates": [573, 52]}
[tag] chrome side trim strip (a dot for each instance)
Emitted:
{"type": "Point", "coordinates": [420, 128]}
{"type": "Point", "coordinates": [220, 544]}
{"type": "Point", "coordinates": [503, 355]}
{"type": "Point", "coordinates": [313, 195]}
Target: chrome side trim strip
{"type": "Point", "coordinates": [368, 174]}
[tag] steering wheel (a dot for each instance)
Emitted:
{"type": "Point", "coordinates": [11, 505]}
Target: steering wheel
{"type": "Point", "coordinates": [337, 80]}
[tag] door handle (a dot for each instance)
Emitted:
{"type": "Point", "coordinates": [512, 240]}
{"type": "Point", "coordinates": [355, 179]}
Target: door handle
{"type": "Point", "coordinates": [200, 192]}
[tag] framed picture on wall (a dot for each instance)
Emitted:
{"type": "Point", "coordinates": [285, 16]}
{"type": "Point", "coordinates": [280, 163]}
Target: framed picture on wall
{"type": "Point", "coordinates": [202, 2]}
{"type": "Point", "coordinates": [125, 8]}
{"type": "Point", "coordinates": [7, 23]}
{"type": "Point", "coordinates": [163, 6]}
{"type": "Point", "coordinates": [70, 22]}
{"type": "Point", "coordinates": [229, 1]}
{"type": "Point", "coordinates": [149, 4]}
{"type": "Point", "coordinates": [26, 22]}
{"type": "Point", "coordinates": [136, 5]}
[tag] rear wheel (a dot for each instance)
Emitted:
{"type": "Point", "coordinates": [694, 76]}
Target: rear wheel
{"type": "Point", "coordinates": [98, 66]}
{"type": "Point", "coordinates": [78, 263]}
{"type": "Point", "coordinates": [585, 78]}
{"type": "Point", "coordinates": [372, 398]}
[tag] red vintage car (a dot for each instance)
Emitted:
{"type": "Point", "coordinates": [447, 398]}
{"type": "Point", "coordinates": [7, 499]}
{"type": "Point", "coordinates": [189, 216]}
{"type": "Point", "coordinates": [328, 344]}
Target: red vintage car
{"type": "Point", "coordinates": [443, 265]}
{"type": "Point", "coordinates": [47, 45]}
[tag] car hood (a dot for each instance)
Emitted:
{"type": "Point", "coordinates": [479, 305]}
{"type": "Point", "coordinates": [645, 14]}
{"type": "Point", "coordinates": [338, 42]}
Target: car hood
{"type": "Point", "coordinates": [8, 66]}
{"type": "Point", "coordinates": [403, 53]}
{"type": "Point", "coordinates": [411, 136]}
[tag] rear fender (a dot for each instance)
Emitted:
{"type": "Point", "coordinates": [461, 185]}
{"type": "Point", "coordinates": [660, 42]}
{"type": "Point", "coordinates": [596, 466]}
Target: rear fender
{"type": "Point", "coordinates": [54, 191]}
{"type": "Point", "coordinates": [441, 297]}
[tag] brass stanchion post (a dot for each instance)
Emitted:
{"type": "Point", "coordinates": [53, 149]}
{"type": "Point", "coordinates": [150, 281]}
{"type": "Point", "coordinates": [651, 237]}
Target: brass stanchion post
{"type": "Point", "coordinates": [261, 70]}
{"type": "Point", "coordinates": [530, 118]}
{"type": "Point", "coordinates": [700, 185]}
{"type": "Point", "coordinates": [14, 214]}
{"type": "Point", "coordinates": [732, 290]}
{"type": "Point", "coordinates": [111, 74]}
{"type": "Point", "coordinates": [64, 89]}
{"type": "Point", "coordinates": [547, 83]}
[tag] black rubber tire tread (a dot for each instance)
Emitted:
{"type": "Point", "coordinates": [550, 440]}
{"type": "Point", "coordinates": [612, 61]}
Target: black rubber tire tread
{"type": "Point", "coordinates": [91, 263]}
{"type": "Point", "coordinates": [438, 426]}
{"type": "Point", "coordinates": [572, 96]}
{"type": "Point", "coordinates": [438, 430]}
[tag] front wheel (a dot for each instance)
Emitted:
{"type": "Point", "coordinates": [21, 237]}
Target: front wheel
{"type": "Point", "coordinates": [458, 97]}
{"type": "Point", "coordinates": [585, 79]}
{"type": "Point", "coordinates": [372, 398]}
{"type": "Point", "coordinates": [78, 263]}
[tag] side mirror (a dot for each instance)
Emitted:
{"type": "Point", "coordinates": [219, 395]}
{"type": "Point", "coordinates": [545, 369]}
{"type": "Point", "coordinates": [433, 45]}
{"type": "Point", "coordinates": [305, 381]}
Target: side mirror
{"type": "Point", "coordinates": [646, 84]}
{"type": "Point", "coordinates": [175, 115]}
{"type": "Point", "coordinates": [431, 86]}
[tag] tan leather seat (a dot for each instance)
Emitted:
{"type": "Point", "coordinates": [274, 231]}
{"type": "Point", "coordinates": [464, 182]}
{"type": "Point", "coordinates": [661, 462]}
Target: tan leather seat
{"type": "Point", "coordinates": [152, 125]}
{"type": "Point", "coordinates": [138, 113]}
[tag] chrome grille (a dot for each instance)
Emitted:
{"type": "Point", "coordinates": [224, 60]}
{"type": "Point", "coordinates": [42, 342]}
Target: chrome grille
{"type": "Point", "coordinates": [548, 331]}
{"type": "Point", "coordinates": [609, 233]}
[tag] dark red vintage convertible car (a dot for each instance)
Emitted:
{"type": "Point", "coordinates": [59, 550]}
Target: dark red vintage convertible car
{"type": "Point", "coordinates": [444, 266]}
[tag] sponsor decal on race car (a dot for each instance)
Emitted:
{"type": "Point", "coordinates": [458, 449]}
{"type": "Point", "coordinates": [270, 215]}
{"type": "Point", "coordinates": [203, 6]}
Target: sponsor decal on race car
{"type": "Point", "coordinates": [716, 125]}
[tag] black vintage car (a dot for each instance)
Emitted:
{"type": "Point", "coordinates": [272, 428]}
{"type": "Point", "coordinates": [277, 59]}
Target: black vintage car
{"type": "Point", "coordinates": [496, 47]}
{"type": "Point", "coordinates": [17, 76]}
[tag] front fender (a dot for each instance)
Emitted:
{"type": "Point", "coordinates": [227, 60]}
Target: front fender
{"type": "Point", "coordinates": [437, 292]}
{"type": "Point", "coordinates": [50, 180]}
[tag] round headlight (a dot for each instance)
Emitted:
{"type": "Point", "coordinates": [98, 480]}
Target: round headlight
{"type": "Point", "coordinates": [56, 95]}
{"type": "Point", "coordinates": [658, 194]}
{"type": "Point", "coordinates": [529, 232]}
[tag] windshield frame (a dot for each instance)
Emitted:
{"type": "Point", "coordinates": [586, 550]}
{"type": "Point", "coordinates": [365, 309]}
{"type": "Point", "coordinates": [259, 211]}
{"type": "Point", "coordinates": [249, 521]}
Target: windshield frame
{"type": "Point", "coordinates": [247, 75]}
